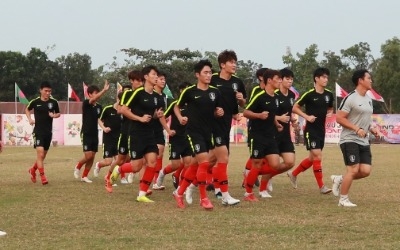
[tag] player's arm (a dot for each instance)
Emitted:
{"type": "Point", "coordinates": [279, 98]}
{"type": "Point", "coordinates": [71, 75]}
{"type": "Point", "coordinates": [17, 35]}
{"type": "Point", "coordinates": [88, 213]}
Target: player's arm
{"type": "Point", "coordinates": [241, 95]}
{"type": "Point", "coordinates": [28, 113]}
{"type": "Point", "coordinates": [97, 96]}
{"type": "Point", "coordinates": [297, 110]}
{"type": "Point", "coordinates": [163, 122]}
{"type": "Point", "coordinates": [126, 111]}
{"type": "Point", "coordinates": [250, 111]}
{"type": "Point", "coordinates": [104, 128]}
{"type": "Point", "coordinates": [341, 118]}
{"type": "Point", "coordinates": [56, 112]}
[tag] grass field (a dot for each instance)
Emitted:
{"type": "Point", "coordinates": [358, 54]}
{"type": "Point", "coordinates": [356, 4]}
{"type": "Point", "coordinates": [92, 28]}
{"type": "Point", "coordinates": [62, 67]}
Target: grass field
{"type": "Point", "coordinates": [69, 214]}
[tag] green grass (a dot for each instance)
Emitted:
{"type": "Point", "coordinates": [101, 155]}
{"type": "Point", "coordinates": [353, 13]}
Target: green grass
{"type": "Point", "coordinates": [68, 214]}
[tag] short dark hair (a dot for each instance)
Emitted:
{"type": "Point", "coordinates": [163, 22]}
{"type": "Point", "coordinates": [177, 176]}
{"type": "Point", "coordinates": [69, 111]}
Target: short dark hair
{"type": "Point", "coordinates": [226, 56]}
{"type": "Point", "coordinates": [92, 88]}
{"type": "Point", "coordinates": [127, 86]}
{"type": "Point", "coordinates": [358, 74]}
{"type": "Point", "coordinates": [146, 70]}
{"type": "Point", "coordinates": [162, 73]}
{"type": "Point", "coordinates": [260, 72]}
{"type": "Point", "coordinates": [183, 85]}
{"type": "Point", "coordinates": [198, 67]}
{"type": "Point", "coordinates": [270, 73]}
{"type": "Point", "coordinates": [45, 84]}
{"type": "Point", "coordinates": [320, 72]}
{"type": "Point", "coordinates": [286, 72]}
{"type": "Point", "coordinates": [135, 75]}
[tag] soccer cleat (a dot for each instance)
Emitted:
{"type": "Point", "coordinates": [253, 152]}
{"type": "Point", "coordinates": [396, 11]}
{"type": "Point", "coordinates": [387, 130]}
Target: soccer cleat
{"type": "Point", "coordinates": [144, 199]}
{"type": "Point", "coordinates": [124, 181]}
{"type": "Point", "coordinates": [114, 175]}
{"type": "Point", "coordinates": [346, 203]}
{"type": "Point", "coordinates": [189, 193]}
{"type": "Point", "coordinates": [265, 194]}
{"type": "Point", "coordinates": [206, 204]}
{"type": "Point", "coordinates": [175, 181]}
{"type": "Point", "coordinates": [33, 174]}
{"type": "Point", "coordinates": [86, 180]}
{"type": "Point", "coordinates": [108, 185]}
{"type": "Point", "coordinates": [325, 190]}
{"type": "Point", "coordinates": [130, 177]}
{"type": "Point", "coordinates": [44, 179]}
{"type": "Point", "coordinates": [293, 179]}
{"type": "Point", "coordinates": [156, 187]}
{"type": "Point", "coordinates": [160, 179]}
{"type": "Point", "coordinates": [229, 200]}
{"type": "Point", "coordinates": [336, 183]}
{"type": "Point", "coordinates": [218, 195]}
{"type": "Point", "coordinates": [178, 199]}
{"type": "Point", "coordinates": [270, 188]}
{"type": "Point", "coordinates": [96, 170]}
{"type": "Point", "coordinates": [77, 173]}
{"type": "Point", "coordinates": [250, 197]}
{"type": "Point", "coordinates": [2, 233]}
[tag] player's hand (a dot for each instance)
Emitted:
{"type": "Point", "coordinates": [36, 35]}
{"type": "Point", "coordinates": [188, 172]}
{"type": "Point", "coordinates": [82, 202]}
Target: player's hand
{"type": "Point", "coordinates": [263, 115]}
{"type": "Point", "coordinates": [279, 127]}
{"type": "Point", "coordinates": [219, 111]}
{"type": "Point", "coordinates": [31, 122]}
{"type": "Point", "coordinates": [106, 85]}
{"type": "Point", "coordinates": [284, 118]}
{"type": "Point", "coordinates": [159, 113]}
{"type": "Point", "coordinates": [311, 118]}
{"type": "Point", "coordinates": [239, 96]}
{"type": "Point", "coordinates": [107, 130]}
{"type": "Point", "coordinates": [361, 133]}
{"type": "Point", "coordinates": [329, 114]}
{"type": "Point", "coordinates": [376, 133]}
{"type": "Point", "coordinates": [171, 132]}
{"type": "Point", "coordinates": [183, 120]}
{"type": "Point", "coordinates": [237, 117]}
{"type": "Point", "coordinates": [146, 118]}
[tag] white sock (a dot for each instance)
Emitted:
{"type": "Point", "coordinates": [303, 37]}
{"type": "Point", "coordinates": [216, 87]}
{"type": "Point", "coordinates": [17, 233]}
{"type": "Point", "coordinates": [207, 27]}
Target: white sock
{"type": "Point", "coordinates": [217, 190]}
{"type": "Point", "coordinates": [344, 197]}
{"type": "Point", "coordinates": [225, 194]}
{"type": "Point", "coordinates": [142, 193]}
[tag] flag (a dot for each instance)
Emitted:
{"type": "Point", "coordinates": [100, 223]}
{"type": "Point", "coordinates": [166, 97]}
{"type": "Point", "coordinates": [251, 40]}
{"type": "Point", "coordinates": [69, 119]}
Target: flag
{"type": "Point", "coordinates": [20, 95]}
{"type": "Point", "coordinates": [340, 92]}
{"type": "Point", "coordinates": [168, 92]}
{"type": "Point", "coordinates": [119, 87]}
{"type": "Point", "coordinates": [72, 94]}
{"type": "Point", "coordinates": [296, 93]}
{"type": "Point", "coordinates": [85, 94]}
{"type": "Point", "coordinates": [375, 96]}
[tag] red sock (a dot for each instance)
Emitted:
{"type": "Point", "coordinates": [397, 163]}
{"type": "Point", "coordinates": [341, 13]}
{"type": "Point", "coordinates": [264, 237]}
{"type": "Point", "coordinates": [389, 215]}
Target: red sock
{"type": "Point", "coordinates": [178, 172]}
{"type": "Point", "coordinates": [146, 179]}
{"type": "Point", "coordinates": [251, 179]}
{"type": "Point", "coordinates": [266, 169]}
{"type": "Point", "coordinates": [202, 178]}
{"type": "Point", "coordinates": [41, 171]}
{"type": "Point", "coordinates": [126, 168]}
{"type": "Point", "coordinates": [85, 172]}
{"type": "Point", "coordinates": [222, 176]}
{"type": "Point", "coordinates": [157, 169]}
{"type": "Point", "coordinates": [210, 178]}
{"type": "Point", "coordinates": [167, 169]}
{"type": "Point", "coordinates": [263, 184]}
{"type": "Point", "coordinates": [35, 166]}
{"type": "Point", "coordinates": [303, 166]}
{"type": "Point", "coordinates": [123, 175]}
{"type": "Point", "coordinates": [248, 164]}
{"type": "Point", "coordinates": [79, 165]}
{"type": "Point", "coordinates": [318, 172]}
{"type": "Point", "coordinates": [108, 174]}
{"type": "Point", "coordinates": [183, 173]}
{"type": "Point", "coordinates": [188, 177]}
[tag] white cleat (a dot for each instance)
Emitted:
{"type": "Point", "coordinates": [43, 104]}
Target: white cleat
{"type": "Point", "coordinates": [156, 187]}
{"type": "Point", "coordinates": [265, 194]}
{"type": "Point", "coordinates": [2, 233]}
{"type": "Point", "coordinates": [189, 193]}
{"type": "Point", "coordinates": [77, 173]}
{"type": "Point", "coordinates": [346, 203]}
{"type": "Point", "coordinates": [336, 183]}
{"type": "Point", "coordinates": [85, 179]}
{"type": "Point", "coordinates": [293, 179]}
{"type": "Point", "coordinates": [325, 190]}
{"type": "Point", "coordinates": [270, 188]}
{"type": "Point", "coordinates": [229, 200]}
{"type": "Point", "coordinates": [160, 178]}
{"type": "Point", "coordinates": [130, 177]}
{"type": "Point", "coordinates": [96, 170]}
{"type": "Point", "coordinates": [124, 181]}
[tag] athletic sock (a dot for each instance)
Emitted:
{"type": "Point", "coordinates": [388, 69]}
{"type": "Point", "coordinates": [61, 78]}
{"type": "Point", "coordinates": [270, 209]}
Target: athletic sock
{"type": "Point", "coordinates": [318, 173]}
{"type": "Point", "coordinates": [303, 166]}
{"type": "Point", "coordinates": [157, 169]}
{"type": "Point", "coordinates": [85, 172]}
{"type": "Point", "coordinates": [146, 179]}
{"type": "Point", "coordinates": [126, 168]}
{"type": "Point", "coordinates": [189, 176]}
{"type": "Point", "coordinates": [202, 179]}
{"type": "Point", "coordinates": [251, 179]}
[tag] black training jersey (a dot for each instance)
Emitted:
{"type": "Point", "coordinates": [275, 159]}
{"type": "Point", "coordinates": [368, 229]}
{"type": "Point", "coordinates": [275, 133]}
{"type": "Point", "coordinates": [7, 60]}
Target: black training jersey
{"type": "Point", "coordinates": [41, 109]}
{"type": "Point", "coordinates": [264, 102]}
{"type": "Point", "coordinates": [111, 119]}
{"type": "Point", "coordinates": [142, 103]}
{"type": "Point", "coordinates": [254, 91]}
{"type": "Point", "coordinates": [161, 102]}
{"type": "Point", "coordinates": [201, 105]}
{"type": "Point", "coordinates": [90, 114]}
{"type": "Point", "coordinates": [228, 89]}
{"type": "Point", "coordinates": [286, 103]}
{"type": "Point", "coordinates": [316, 104]}
{"type": "Point", "coordinates": [180, 130]}
{"type": "Point", "coordinates": [125, 124]}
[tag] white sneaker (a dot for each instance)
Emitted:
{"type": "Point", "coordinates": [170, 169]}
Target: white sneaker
{"type": "Point", "coordinates": [269, 186]}
{"type": "Point", "coordinates": [160, 178]}
{"type": "Point", "coordinates": [336, 183]}
{"type": "Point", "coordinates": [346, 203]}
{"type": "Point", "coordinates": [189, 194]}
{"type": "Point", "coordinates": [130, 177]}
{"type": "Point", "coordinates": [96, 170]}
{"type": "Point", "coordinates": [265, 194]}
{"type": "Point", "coordinates": [77, 172]}
{"type": "Point", "coordinates": [229, 200]}
{"type": "Point", "coordinates": [325, 190]}
{"type": "Point", "coordinates": [2, 233]}
{"type": "Point", "coordinates": [293, 179]}
{"type": "Point", "coordinates": [85, 179]}
{"type": "Point", "coordinates": [124, 181]}
{"type": "Point", "coordinates": [157, 187]}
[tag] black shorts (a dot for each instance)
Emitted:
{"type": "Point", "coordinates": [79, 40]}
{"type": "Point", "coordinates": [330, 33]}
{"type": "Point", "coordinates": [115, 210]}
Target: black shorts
{"type": "Point", "coordinates": [285, 144]}
{"type": "Point", "coordinates": [123, 144]}
{"type": "Point", "coordinates": [42, 141]}
{"type": "Point", "coordinates": [354, 153]}
{"type": "Point", "coordinates": [261, 146]}
{"type": "Point", "coordinates": [142, 143]}
{"type": "Point", "coordinates": [110, 147]}
{"type": "Point", "coordinates": [179, 147]}
{"type": "Point", "coordinates": [160, 138]}
{"type": "Point", "coordinates": [90, 142]}
{"type": "Point", "coordinates": [314, 141]}
{"type": "Point", "coordinates": [200, 143]}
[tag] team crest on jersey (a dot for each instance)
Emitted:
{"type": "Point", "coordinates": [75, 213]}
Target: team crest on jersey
{"type": "Point", "coordinates": [212, 96]}
{"type": "Point", "coordinates": [218, 140]}
{"type": "Point", "coordinates": [277, 102]}
{"type": "Point", "coordinates": [197, 147]}
{"type": "Point", "coordinates": [155, 101]}
{"type": "Point", "coordinates": [98, 111]}
{"type": "Point", "coordinates": [37, 142]}
{"type": "Point", "coordinates": [352, 158]}
{"type": "Point", "coordinates": [313, 144]}
{"type": "Point", "coordinates": [291, 101]}
{"type": "Point", "coordinates": [50, 105]}
{"type": "Point", "coordinates": [327, 98]}
{"type": "Point", "coordinates": [133, 154]}
{"type": "Point", "coordinates": [122, 149]}
{"type": "Point", "coordinates": [235, 86]}
{"type": "Point", "coordinates": [255, 153]}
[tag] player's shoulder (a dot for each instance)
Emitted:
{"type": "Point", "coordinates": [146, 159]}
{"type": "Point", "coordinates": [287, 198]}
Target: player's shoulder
{"type": "Point", "coordinates": [53, 99]}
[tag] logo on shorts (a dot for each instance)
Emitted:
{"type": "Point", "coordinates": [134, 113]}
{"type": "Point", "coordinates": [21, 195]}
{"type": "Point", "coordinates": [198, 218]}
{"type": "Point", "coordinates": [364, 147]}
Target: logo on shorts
{"type": "Point", "coordinates": [255, 153]}
{"type": "Point", "coordinates": [327, 98]}
{"type": "Point", "coordinates": [133, 154]}
{"type": "Point", "coordinates": [197, 147]}
{"type": "Point", "coordinates": [85, 147]}
{"type": "Point", "coordinates": [122, 149]}
{"type": "Point", "coordinates": [37, 142]}
{"type": "Point", "coordinates": [218, 140]}
{"type": "Point", "coordinates": [313, 144]}
{"type": "Point", "coordinates": [212, 96]}
{"type": "Point", "coordinates": [173, 154]}
{"type": "Point", "coordinates": [50, 105]}
{"type": "Point", "coordinates": [106, 153]}
{"type": "Point", "coordinates": [235, 86]}
{"type": "Point", "coordinates": [352, 158]}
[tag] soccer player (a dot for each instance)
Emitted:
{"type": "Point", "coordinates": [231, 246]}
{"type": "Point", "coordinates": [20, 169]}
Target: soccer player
{"type": "Point", "coordinates": [262, 110]}
{"type": "Point", "coordinates": [354, 115]}
{"type": "Point", "coordinates": [91, 111]}
{"type": "Point", "coordinates": [318, 104]}
{"type": "Point", "coordinates": [45, 109]}
{"type": "Point", "coordinates": [110, 122]}
{"type": "Point", "coordinates": [203, 104]}
{"type": "Point", "coordinates": [233, 94]}
{"type": "Point", "coordinates": [142, 109]}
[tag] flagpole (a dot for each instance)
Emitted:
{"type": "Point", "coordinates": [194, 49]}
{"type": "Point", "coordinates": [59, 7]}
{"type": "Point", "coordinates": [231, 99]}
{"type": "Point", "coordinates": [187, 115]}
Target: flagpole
{"type": "Point", "coordinates": [68, 99]}
{"type": "Point", "coordinates": [15, 96]}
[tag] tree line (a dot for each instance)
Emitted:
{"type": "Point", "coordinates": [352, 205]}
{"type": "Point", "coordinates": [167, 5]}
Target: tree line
{"type": "Point", "coordinates": [34, 67]}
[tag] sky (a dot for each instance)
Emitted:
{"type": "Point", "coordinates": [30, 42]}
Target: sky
{"type": "Point", "coordinates": [258, 30]}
